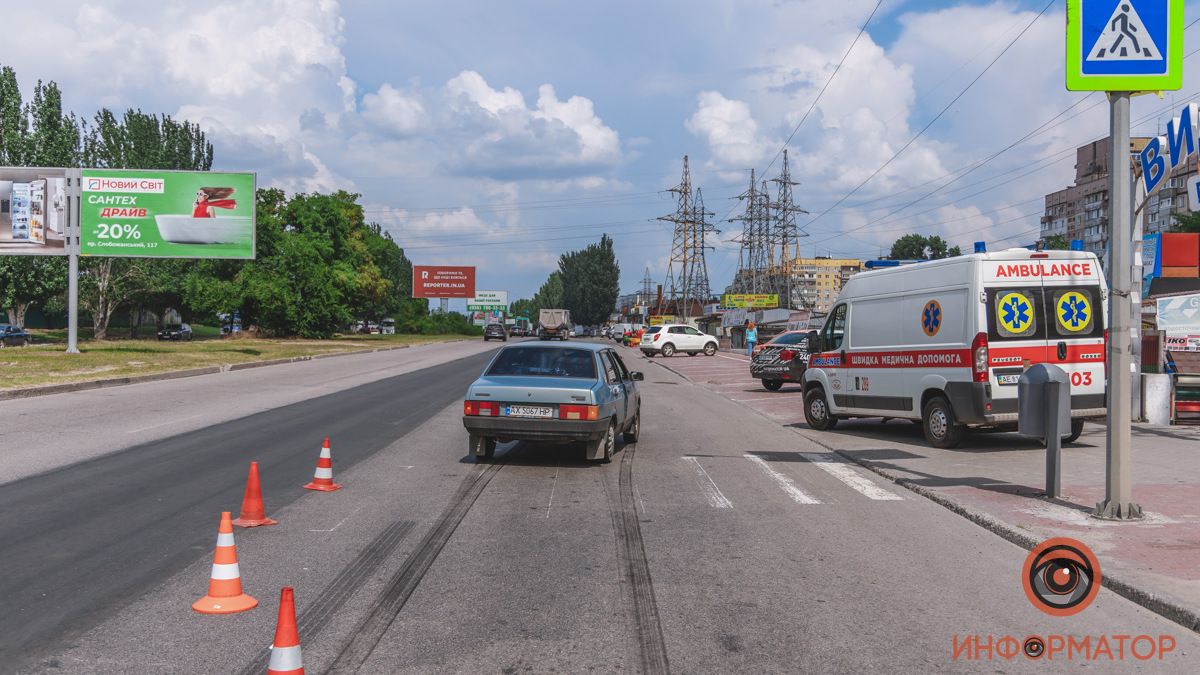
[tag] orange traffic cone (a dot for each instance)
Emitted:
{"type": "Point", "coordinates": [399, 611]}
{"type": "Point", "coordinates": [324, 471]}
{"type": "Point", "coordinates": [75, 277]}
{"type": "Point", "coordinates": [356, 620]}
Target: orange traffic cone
{"type": "Point", "coordinates": [285, 651]}
{"type": "Point", "coordinates": [323, 478]}
{"type": "Point", "coordinates": [253, 513]}
{"type": "Point", "coordinates": [225, 594]}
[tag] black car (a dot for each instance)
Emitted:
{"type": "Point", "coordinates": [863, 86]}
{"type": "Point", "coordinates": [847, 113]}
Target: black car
{"type": "Point", "coordinates": [495, 330]}
{"type": "Point", "coordinates": [13, 336]}
{"type": "Point", "coordinates": [516, 331]}
{"type": "Point", "coordinates": [781, 360]}
{"type": "Point", "coordinates": [179, 331]}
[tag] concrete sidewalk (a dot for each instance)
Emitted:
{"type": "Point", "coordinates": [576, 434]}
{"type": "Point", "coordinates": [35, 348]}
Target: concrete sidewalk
{"type": "Point", "coordinates": [997, 479]}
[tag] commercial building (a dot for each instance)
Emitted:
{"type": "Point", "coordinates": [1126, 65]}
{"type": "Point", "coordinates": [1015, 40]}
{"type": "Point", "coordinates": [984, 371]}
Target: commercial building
{"type": "Point", "coordinates": [1081, 210]}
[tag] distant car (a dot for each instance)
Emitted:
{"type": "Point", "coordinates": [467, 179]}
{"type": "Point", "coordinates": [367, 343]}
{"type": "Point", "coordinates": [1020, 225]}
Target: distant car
{"type": "Point", "coordinates": [516, 331]}
{"type": "Point", "coordinates": [555, 393]}
{"type": "Point", "coordinates": [387, 327]}
{"type": "Point", "coordinates": [179, 331]}
{"type": "Point", "coordinates": [13, 336]}
{"type": "Point", "coordinates": [571, 333]}
{"type": "Point", "coordinates": [781, 360]}
{"type": "Point", "coordinates": [671, 338]}
{"type": "Point", "coordinates": [495, 330]}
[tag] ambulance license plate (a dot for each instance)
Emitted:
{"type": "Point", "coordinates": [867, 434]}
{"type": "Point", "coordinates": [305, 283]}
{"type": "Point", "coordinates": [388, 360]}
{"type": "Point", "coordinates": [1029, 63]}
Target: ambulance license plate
{"type": "Point", "coordinates": [1011, 378]}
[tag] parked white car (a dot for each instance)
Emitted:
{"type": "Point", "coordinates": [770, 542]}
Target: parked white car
{"type": "Point", "coordinates": [670, 338]}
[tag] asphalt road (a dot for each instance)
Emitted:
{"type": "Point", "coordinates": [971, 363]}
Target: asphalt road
{"type": "Point", "coordinates": [86, 538]}
{"type": "Point", "coordinates": [721, 542]}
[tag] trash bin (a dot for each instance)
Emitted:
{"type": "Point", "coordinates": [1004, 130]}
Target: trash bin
{"type": "Point", "coordinates": [1033, 400]}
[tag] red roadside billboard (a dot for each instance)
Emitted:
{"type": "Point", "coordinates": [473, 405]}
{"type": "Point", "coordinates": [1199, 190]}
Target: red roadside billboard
{"type": "Point", "coordinates": [438, 281]}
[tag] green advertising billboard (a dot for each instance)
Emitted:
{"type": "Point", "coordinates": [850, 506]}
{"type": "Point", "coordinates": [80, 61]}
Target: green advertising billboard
{"type": "Point", "coordinates": [167, 214]}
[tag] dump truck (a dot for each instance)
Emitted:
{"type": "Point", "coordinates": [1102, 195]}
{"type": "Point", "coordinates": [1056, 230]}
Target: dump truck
{"type": "Point", "coordinates": [554, 324]}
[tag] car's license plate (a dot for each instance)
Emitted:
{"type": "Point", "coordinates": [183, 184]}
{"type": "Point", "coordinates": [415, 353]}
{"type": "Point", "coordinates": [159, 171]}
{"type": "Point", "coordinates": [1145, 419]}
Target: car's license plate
{"type": "Point", "coordinates": [529, 411]}
{"type": "Point", "coordinates": [1008, 379]}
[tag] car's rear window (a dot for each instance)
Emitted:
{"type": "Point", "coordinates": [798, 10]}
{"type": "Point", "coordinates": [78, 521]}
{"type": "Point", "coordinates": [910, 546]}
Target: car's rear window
{"type": "Point", "coordinates": [653, 329]}
{"type": "Point", "coordinates": [789, 339]}
{"type": "Point", "coordinates": [545, 362]}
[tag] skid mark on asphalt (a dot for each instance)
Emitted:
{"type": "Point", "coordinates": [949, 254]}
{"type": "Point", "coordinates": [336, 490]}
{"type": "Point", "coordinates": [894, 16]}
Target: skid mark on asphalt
{"type": "Point", "coordinates": [712, 493]}
{"type": "Point", "coordinates": [786, 484]}
{"type": "Point", "coordinates": [839, 469]}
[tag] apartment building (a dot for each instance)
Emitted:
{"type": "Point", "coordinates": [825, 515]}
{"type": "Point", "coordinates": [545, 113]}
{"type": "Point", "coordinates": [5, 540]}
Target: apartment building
{"type": "Point", "coordinates": [820, 279]}
{"type": "Point", "coordinates": [1081, 210]}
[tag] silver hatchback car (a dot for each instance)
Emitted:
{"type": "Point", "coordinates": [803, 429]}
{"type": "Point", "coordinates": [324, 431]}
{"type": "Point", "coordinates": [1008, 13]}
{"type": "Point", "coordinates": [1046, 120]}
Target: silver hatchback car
{"type": "Point", "coordinates": [556, 393]}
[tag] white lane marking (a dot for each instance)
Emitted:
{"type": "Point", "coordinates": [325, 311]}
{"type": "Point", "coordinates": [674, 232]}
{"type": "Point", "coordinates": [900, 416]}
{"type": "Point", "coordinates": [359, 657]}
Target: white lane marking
{"type": "Point", "coordinates": [552, 486]}
{"type": "Point", "coordinates": [163, 424]}
{"type": "Point", "coordinates": [711, 492]}
{"type": "Point", "coordinates": [733, 358]}
{"type": "Point", "coordinates": [764, 398]}
{"type": "Point", "coordinates": [797, 495]}
{"type": "Point", "coordinates": [839, 469]}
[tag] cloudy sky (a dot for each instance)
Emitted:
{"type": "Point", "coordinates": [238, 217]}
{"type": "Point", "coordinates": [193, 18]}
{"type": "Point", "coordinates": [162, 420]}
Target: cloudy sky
{"type": "Point", "coordinates": [501, 134]}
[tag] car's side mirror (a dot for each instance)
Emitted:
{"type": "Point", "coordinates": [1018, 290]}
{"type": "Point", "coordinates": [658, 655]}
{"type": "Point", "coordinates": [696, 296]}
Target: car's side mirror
{"type": "Point", "coordinates": [637, 376]}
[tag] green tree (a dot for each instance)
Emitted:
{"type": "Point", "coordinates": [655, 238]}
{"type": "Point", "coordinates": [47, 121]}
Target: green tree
{"type": "Point", "coordinates": [590, 279]}
{"type": "Point", "coordinates": [549, 296]}
{"type": "Point", "coordinates": [1186, 222]}
{"type": "Point", "coordinates": [13, 123]}
{"type": "Point", "coordinates": [1057, 242]}
{"type": "Point", "coordinates": [922, 247]}
{"type": "Point", "coordinates": [29, 280]}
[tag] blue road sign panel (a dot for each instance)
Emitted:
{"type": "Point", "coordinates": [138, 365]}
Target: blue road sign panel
{"type": "Point", "coordinates": [1125, 37]}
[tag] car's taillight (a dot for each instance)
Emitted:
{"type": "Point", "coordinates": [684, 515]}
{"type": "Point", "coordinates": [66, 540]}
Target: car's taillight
{"type": "Point", "coordinates": [481, 408]}
{"type": "Point", "coordinates": [979, 358]}
{"type": "Point", "coordinates": [787, 355]}
{"type": "Point", "coordinates": [656, 336]}
{"type": "Point", "coordinates": [578, 412]}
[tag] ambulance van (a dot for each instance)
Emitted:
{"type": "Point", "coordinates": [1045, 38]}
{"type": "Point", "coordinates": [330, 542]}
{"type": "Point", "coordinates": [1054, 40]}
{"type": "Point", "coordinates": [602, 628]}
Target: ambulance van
{"type": "Point", "coordinates": [943, 343]}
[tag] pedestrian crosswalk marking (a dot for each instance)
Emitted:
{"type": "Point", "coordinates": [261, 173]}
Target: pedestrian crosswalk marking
{"type": "Point", "coordinates": [834, 466]}
{"type": "Point", "coordinates": [1125, 38]}
{"type": "Point", "coordinates": [785, 483]}
{"type": "Point", "coordinates": [712, 493]}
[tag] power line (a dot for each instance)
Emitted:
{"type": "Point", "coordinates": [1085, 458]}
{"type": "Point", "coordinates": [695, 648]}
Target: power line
{"type": "Point", "coordinates": [936, 117]}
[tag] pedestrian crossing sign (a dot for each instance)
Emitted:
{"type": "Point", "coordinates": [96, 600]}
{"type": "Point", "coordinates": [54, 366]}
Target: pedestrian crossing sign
{"type": "Point", "coordinates": [1124, 45]}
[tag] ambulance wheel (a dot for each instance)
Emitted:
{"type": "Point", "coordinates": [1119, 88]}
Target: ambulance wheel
{"type": "Point", "coordinates": [816, 410]}
{"type": "Point", "coordinates": [1076, 430]}
{"type": "Point", "coordinates": [941, 429]}
{"type": "Point", "coordinates": [772, 385]}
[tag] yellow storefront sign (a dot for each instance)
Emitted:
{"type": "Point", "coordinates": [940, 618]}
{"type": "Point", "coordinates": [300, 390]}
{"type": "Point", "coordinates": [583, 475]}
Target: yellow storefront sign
{"type": "Point", "coordinates": [660, 319]}
{"type": "Point", "coordinates": [750, 300]}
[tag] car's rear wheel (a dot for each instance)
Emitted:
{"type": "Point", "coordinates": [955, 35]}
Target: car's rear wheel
{"type": "Point", "coordinates": [772, 385]}
{"type": "Point", "coordinates": [942, 430]}
{"type": "Point", "coordinates": [635, 428]}
{"type": "Point", "coordinates": [1076, 430]}
{"type": "Point", "coordinates": [710, 349]}
{"type": "Point", "coordinates": [668, 349]}
{"type": "Point", "coordinates": [601, 449]}
{"type": "Point", "coordinates": [692, 353]}
{"type": "Point", "coordinates": [481, 447]}
{"type": "Point", "coordinates": [816, 410]}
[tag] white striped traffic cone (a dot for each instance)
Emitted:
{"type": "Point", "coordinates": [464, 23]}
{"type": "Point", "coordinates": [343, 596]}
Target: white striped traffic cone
{"type": "Point", "coordinates": [225, 594]}
{"type": "Point", "coordinates": [323, 478]}
{"type": "Point", "coordinates": [285, 651]}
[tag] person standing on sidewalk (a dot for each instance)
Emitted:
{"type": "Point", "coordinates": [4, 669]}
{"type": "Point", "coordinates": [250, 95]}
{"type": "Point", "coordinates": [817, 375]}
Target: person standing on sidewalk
{"type": "Point", "coordinates": [751, 338]}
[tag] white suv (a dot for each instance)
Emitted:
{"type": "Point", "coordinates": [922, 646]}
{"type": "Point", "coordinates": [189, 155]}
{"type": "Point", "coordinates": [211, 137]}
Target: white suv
{"type": "Point", "coordinates": [671, 338]}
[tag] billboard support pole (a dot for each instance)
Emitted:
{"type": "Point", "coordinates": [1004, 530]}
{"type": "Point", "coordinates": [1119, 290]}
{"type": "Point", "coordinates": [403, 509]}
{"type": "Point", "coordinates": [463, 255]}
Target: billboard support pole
{"type": "Point", "coordinates": [74, 196]}
{"type": "Point", "coordinates": [73, 304]}
{"type": "Point", "coordinates": [1118, 494]}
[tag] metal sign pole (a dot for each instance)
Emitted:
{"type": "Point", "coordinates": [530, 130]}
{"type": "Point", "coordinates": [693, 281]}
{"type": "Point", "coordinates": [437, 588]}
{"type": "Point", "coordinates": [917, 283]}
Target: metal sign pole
{"type": "Point", "coordinates": [74, 195]}
{"type": "Point", "coordinates": [1118, 502]}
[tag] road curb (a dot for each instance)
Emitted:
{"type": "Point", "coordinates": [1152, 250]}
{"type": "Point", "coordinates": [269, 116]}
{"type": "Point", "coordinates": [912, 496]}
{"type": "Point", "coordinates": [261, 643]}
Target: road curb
{"type": "Point", "coordinates": [1187, 618]}
{"type": "Point", "coordinates": [46, 390]}
{"type": "Point", "coordinates": [1179, 614]}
